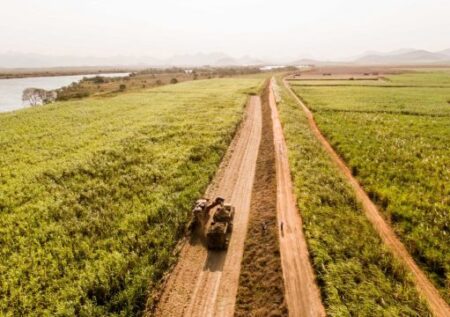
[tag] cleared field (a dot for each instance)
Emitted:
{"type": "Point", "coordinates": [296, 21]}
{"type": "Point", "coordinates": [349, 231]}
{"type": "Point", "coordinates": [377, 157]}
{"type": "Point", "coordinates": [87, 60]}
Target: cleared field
{"type": "Point", "coordinates": [396, 141]}
{"type": "Point", "coordinates": [94, 194]}
{"type": "Point", "coordinates": [356, 274]}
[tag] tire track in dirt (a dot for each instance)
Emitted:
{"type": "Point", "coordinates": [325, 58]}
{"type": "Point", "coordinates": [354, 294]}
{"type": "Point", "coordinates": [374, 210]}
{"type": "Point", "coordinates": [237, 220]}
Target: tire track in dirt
{"type": "Point", "coordinates": [204, 283]}
{"type": "Point", "coordinates": [261, 285]}
{"type": "Point", "coordinates": [302, 293]}
{"type": "Point", "coordinates": [436, 303]}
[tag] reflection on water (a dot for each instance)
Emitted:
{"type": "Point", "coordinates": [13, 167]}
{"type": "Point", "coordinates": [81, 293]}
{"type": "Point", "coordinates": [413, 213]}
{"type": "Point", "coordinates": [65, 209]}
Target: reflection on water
{"type": "Point", "coordinates": [11, 89]}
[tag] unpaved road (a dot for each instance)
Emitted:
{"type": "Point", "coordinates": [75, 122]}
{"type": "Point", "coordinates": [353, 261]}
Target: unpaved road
{"type": "Point", "coordinates": [302, 294]}
{"type": "Point", "coordinates": [204, 283]}
{"type": "Point", "coordinates": [436, 303]}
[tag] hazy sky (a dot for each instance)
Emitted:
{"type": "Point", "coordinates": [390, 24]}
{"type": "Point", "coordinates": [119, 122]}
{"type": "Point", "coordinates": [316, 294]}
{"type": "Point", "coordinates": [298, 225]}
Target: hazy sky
{"type": "Point", "coordinates": [314, 28]}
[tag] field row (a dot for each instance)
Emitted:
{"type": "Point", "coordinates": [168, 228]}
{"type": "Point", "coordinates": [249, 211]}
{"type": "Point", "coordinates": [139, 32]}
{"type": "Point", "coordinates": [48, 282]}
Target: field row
{"type": "Point", "coordinates": [356, 274]}
{"type": "Point", "coordinates": [95, 194]}
{"type": "Point", "coordinates": [396, 142]}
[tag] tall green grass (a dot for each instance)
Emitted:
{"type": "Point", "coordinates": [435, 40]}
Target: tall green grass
{"type": "Point", "coordinates": [401, 100]}
{"type": "Point", "coordinates": [397, 143]}
{"type": "Point", "coordinates": [95, 194]}
{"type": "Point", "coordinates": [357, 276]}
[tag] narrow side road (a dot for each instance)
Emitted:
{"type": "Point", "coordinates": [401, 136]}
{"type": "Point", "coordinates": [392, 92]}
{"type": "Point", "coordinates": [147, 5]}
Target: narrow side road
{"type": "Point", "coordinates": [204, 283]}
{"type": "Point", "coordinates": [302, 294]}
{"type": "Point", "coordinates": [436, 303]}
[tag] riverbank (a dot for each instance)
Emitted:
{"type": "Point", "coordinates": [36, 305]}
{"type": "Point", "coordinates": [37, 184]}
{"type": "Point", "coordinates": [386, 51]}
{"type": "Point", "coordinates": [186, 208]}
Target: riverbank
{"type": "Point", "coordinates": [10, 73]}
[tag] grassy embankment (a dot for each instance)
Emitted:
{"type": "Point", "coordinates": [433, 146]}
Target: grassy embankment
{"type": "Point", "coordinates": [261, 286]}
{"type": "Point", "coordinates": [95, 194]}
{"type": "Point", "coordinates": [396, 140]}
{"type": "Point", "coordinates": [7, 73]}
{"type": "Point", "coordinates": [357, 276]}
{"type": "Point", "coordinates": [111, 86]}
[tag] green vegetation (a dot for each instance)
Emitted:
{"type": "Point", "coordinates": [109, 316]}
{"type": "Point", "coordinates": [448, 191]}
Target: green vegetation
{"type": "Point", "coordinates": [109, 86]}
{"type": "Point", "coordinates": [418, 78]}
{"type": "Point", "coordinates": [95, 193]}
{"type": "Point", "coordinates": [338, 82]}
{"type": "Point", "coordinates": [405, 100]}
{"type": "Point", "coordinates": [356, 274]}
{"type": "Point", "coordinates": [435, 79]}
{"type": "Point", "coordinates": [397, 143]}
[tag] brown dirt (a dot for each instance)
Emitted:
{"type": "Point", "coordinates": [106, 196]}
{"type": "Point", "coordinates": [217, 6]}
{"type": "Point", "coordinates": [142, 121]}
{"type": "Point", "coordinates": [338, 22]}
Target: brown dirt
{"type": "Point", "coordinates": [436, 303]}
{"type": "Point", "coordinates": [204, 283]}
{"type": "Point", "coordinates": [302, 293]}
{"type": "Point", "coordinates": [261, 286]}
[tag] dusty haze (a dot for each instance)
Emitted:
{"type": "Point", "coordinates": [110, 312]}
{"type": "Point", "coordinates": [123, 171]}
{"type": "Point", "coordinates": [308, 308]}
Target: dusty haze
{"type": "Point", "coordinates": [323, 29]}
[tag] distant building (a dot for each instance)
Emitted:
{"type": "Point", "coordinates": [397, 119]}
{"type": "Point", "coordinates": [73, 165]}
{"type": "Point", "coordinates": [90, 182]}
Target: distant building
{"type": "Point", "coordinates": [271, 67]}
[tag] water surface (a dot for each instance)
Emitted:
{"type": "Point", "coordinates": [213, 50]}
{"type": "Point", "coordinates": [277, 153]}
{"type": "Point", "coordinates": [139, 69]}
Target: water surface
{"type": "Point", "coordinates": [11, 89]}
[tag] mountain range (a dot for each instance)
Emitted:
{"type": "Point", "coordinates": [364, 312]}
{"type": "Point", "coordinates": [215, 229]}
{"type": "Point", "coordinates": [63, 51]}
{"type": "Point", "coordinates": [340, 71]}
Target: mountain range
{"type": "Point", "coordinates": [405, 56]}
{"type": "Point", "coordinates": [23, 60]}
{"type": "Point", "coordinates": [398, 57]}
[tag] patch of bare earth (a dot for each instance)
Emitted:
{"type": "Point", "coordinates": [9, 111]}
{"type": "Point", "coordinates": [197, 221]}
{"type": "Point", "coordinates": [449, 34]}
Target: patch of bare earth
{"type": "Point", "coordinates": [261, 286]}
{"type": "Point", "coordinates": [302, 293]}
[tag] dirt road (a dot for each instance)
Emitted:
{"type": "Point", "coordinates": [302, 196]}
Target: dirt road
{"type": "Point", "coordinates": [302, 293]}
{"type": "Point", "coordinates": [204, 283]}
{"type": "Point", "coordinates": [437, 304]}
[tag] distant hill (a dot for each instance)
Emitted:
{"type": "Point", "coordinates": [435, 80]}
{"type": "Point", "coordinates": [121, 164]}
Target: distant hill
{"type": "Point", "coordinates": [21, 60]}
{"type": "Point", "coordinates": [445, 52]}
{"type": "Point", "coordinates": [242, 61]}
{"type": "Point", "coordinates": [405, 57]}
{"type": "Point", "coordinates": [198, 59]}
{"type": "Point", "coordinates": [310, 61]}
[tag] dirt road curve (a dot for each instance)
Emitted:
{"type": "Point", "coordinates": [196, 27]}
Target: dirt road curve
{"type": "Point", "coordinates": [437, 304]}
{"type": "Point", "coordinates": [302, 294]}
{"type": "Point", "coordinates": [205, 283]}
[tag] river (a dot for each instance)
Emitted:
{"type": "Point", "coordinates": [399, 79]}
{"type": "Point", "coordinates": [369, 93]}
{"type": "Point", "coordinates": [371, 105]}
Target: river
{"type": "Point", "coordinates": [11, 89]}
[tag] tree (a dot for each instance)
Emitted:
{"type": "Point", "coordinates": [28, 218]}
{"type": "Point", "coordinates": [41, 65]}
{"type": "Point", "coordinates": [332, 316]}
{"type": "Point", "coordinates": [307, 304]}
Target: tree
{"type": "Point", "coordinates": [37, 96]}
{"type": "Point", "coordinates": [174, 81]}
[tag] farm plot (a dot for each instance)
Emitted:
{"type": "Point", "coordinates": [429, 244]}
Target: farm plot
{"type": "Point", "coordinates": [396, 141]}
{"type": "Point", "coordinates": [94, 194]}
{"type": "Point", "coordinates": [356, 274]}
{"type": "Point", "coordinates": [382, 99]}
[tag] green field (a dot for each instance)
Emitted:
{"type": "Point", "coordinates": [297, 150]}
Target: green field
{"type": "Point", "coordinates": [399, 100]}
{"type": "Point", "coordinates": [95, 194]}
{"type": "Point", "coordinates": [357, 276]}
{"type": "Point", "coordinates": [396, 140]}
{"type": "Point", "coordinates": [431, 79]}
